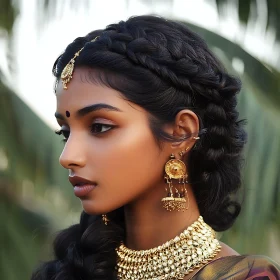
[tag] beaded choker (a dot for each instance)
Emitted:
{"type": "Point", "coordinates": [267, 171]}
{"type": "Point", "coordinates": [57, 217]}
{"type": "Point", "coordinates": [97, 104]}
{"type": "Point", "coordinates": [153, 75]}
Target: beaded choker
{"type": "Point", "coordinates": [173, 260]}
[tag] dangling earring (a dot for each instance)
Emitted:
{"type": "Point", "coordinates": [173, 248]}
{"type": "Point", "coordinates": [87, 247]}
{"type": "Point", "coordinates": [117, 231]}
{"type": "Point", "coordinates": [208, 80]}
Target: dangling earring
{"type": "Point", "coordinates": [105, 219]}
{"type": "Point", "coordinates": [176, 169]}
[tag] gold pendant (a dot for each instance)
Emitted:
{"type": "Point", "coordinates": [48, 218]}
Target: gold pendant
{"type": "Point", "coordinates": [67, 72]}
{"type": "Point", "coordinates": [175, 168]}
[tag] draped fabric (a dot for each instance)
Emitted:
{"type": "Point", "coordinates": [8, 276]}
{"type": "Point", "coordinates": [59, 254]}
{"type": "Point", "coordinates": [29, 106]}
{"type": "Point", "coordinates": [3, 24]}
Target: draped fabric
{"type": "Point", "coordinates": [249, 267]}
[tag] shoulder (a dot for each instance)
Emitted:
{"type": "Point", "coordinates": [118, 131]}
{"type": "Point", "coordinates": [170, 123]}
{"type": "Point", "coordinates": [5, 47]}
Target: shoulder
{"type": "Point", "coordinates": [226, 251]}
{"type": "Point", "coordinates": [240, 267]}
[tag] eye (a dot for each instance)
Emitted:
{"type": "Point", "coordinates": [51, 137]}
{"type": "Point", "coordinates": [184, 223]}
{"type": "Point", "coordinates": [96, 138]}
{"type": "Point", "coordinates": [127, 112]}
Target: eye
{"type": "Point", "coordinates": [97, 128]}
{"type": "Point", "coordinates": [63, 132]}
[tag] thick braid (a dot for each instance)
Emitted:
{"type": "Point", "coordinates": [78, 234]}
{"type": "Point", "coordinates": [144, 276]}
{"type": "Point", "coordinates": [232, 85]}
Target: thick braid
{"type": "Point", "coordinates": [190, 71]}
{"type": "Point", "coordinates": [141, 51]}
{"type": "Point", "coordinates": [84, 251]}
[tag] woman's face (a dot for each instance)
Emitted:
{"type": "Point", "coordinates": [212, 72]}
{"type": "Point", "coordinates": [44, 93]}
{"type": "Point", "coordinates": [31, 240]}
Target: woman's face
{"type": "Point", "coordinates": [109, 143]}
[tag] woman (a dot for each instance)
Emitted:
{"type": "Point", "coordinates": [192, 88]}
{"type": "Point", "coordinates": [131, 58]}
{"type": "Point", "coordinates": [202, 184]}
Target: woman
{"type": "Point", "coordinates": [153, 148]}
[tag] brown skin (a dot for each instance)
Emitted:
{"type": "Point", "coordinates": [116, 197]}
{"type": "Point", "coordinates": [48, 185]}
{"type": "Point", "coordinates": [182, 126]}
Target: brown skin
{"type": "Point", "coordinates": [125, 161]}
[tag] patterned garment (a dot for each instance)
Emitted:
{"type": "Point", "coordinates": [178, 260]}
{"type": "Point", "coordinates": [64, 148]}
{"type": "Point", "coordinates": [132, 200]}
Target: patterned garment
{"type": "Point", "coordinates": [249, 267]}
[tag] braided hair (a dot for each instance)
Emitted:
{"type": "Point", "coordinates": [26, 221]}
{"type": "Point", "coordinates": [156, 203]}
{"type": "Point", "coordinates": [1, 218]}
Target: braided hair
{"type": "Point", "coordinates": [164, 67]}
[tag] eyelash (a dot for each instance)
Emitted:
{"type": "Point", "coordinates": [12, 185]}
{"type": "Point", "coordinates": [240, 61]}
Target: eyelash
{"type": "Point", "coordinates": [66, 133]}
{"type": "Point", "coordinates": [61, 132]}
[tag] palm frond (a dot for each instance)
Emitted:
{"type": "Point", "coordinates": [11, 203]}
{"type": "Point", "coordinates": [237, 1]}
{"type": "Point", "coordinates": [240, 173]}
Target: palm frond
{"type": "Point", "coordinates": [8, 13]}
{"type": "Point", "coordinates": [247, 7]}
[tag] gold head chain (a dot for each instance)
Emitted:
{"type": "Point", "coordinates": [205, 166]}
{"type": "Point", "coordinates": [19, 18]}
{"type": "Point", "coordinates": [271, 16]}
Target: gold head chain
{"type": "Point", "coordinates": [67, 73]}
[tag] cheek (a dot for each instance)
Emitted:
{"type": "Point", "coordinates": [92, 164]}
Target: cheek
{"type": "Point", "coordinates": [127, 165]}
{"type": "Point", "coordinates": [131, 154]}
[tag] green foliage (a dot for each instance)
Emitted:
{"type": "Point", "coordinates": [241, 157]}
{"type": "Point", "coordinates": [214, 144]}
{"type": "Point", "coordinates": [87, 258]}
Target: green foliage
{"type": "Point", "coordinates": [245, 7]}
{"type": "Point", "coordinates": [29, 144]}
{"type": "Point", "coordinates": [23, 232]}
{"type": "Point", "coordinates": [8, 13]}
{"type": "Point", "coordinates": [29, 170]}
{"type": "Point", "coordinates": [266, 79]}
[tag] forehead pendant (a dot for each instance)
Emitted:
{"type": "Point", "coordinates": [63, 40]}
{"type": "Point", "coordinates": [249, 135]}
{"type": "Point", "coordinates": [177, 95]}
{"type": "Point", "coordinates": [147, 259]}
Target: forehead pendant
{"type": "Point", "coordinates": [67, 73]}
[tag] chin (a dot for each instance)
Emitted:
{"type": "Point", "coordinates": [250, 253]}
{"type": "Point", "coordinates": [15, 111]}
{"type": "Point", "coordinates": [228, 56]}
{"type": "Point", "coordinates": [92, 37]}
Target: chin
{"type": "Point", "coordinates": [96, 208]}
{"type": "Point", "coordinates": [90, 207]}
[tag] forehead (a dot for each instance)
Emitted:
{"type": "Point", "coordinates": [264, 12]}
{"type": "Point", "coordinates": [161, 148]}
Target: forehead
{"type": "Point", "coordinates": [82, 92]}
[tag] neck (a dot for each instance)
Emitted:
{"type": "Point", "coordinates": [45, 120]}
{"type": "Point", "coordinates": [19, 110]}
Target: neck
{"type": "Point", "coordinates": [149, 225]}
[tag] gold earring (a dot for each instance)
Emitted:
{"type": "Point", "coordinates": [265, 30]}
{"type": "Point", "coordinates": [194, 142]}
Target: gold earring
{"type": "Point", "coordinates": [175, 199]}
{"type": "Point", "coordinates": [105, 219]}
{"type": "Point", "coordinates": [181, 153]}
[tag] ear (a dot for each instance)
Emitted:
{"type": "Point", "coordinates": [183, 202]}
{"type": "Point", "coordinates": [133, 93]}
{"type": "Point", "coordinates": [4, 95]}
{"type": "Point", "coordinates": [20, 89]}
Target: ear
{"type": "Point", "coordinates": [186, 124]}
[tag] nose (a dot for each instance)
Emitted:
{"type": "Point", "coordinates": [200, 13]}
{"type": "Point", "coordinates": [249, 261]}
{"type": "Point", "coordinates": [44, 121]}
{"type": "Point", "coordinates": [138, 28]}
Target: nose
{"type": "Point", "coordinates": [73, 154]}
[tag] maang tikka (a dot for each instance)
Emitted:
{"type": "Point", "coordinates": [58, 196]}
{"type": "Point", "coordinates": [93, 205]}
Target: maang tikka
{"type": "Point", "coordinates": [177, 197]}
{"type": "Point", "coordinates": [67, 73]}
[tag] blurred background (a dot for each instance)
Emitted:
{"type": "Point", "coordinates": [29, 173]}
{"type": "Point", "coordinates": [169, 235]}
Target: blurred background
{"type": "Point", "coordinates": [36, 200]}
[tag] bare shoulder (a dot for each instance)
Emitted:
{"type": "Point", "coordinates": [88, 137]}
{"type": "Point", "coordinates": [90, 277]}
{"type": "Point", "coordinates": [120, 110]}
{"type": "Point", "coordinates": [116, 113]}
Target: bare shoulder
{"type": "Point", "coordinates": [226, 251]}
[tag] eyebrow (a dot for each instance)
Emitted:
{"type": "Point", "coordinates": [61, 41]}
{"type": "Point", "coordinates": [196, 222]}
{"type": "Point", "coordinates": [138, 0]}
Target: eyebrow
{"type": "Point", "coordinates": [92, 108]}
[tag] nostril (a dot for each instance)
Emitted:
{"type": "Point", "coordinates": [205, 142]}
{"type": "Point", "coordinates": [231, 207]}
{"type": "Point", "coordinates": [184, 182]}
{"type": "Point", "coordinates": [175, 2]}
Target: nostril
{"type": "Point", "coordinates": [72, 156]}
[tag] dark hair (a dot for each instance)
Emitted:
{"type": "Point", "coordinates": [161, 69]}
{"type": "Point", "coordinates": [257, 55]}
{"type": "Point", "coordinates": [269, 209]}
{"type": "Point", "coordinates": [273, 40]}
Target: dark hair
{"type": "Point", "coordinates": [164, 67]}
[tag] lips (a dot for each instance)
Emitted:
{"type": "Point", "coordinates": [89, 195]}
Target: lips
{"type": "Point", "coordinates": [82, 186]}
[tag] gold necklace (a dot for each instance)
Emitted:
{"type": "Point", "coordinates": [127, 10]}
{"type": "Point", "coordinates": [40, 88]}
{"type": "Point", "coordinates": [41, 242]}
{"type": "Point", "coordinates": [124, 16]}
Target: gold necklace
{"type": "Point", "coordinates": [173, 260]}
